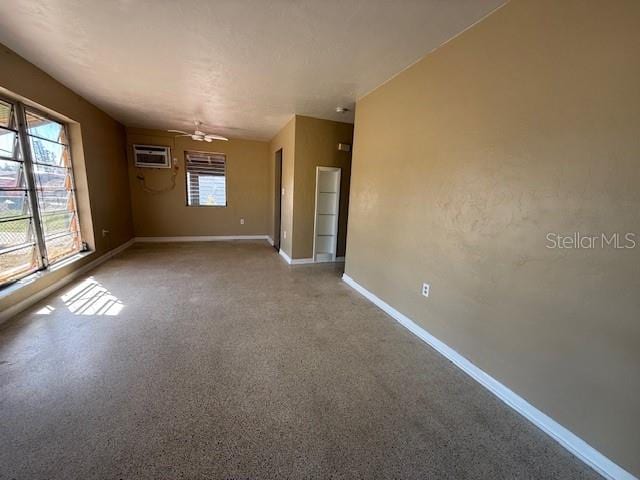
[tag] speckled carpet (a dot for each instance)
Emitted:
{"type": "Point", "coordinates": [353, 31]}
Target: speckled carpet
{"type": "Point", "coordinates": [218, 360]}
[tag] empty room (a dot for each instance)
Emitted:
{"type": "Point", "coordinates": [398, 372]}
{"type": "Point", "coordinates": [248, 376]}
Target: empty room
{"type": "Point", "coordinates": [319, 239]}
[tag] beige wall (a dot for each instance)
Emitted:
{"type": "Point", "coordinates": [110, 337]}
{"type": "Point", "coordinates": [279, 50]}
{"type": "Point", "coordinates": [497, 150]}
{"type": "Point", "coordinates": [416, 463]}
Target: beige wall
{"type": "Point", "coordinates": [317, 145]}
{"type": "Point", "coordinates": [285, 140]}
{"type": "Point", "coordinates": [100, 168]}
{"type": "Point", "coordinates": [528, 123]}
{"type": "Point", "coordinates": [167, 214]}
{"type": "Point", "coordinates": [306, 143]}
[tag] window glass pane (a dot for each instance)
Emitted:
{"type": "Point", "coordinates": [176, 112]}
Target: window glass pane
{"type": "Point", "coordinates": [61, 247]}
{"type": "Point", "coordinates": [52, 178]}
{"type": "Point", "coordinates": [11, 174]}
{"type": "Point", "coordinates": [45, 128]}
{"type": "Point", "coordinates": [5, 114]}
{"type": "Point", "coordinates": [210, 190]}
{"type": "Point", "coordinates": [18, 263]}
{"type": "Point", "coordinates": [49, 153]}
{"type": "Point", "coordinates": [15, 232]}
{"type": "Point", "coordinates": [206, 185]}
{"type": "Point", "coordinates": [14, 204]}
{"type": "Point", "coordinates": [8, 143]}
{"type": "Point", "coordinates": [55, 200]}
{"type": "Point", "coordinates": [57, 223]}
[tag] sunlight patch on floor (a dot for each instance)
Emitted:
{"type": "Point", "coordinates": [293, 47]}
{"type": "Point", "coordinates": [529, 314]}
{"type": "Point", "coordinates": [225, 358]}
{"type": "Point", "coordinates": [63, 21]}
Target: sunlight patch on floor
{"type": "Point", "coordinates": [91, 298]}
{"type": "Point", "coordinates": [46, 310]}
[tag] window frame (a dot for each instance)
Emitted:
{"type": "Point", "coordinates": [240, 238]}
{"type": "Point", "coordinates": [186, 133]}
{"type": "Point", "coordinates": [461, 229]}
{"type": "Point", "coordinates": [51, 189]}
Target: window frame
{"type": "Point", "coordinates": [186, 179]}
{"type": "Point", "coordinates": [19, 113]}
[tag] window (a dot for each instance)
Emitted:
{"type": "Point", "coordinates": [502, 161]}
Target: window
{"type": "Point", "coordinates": [38, 217]}
{"type": "Point", "coordinates": [206, 179]}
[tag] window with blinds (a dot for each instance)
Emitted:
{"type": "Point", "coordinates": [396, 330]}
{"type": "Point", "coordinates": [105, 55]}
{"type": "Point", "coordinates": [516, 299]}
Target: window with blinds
{"type": "Point", "coordinates": [206, 179]}
{"type": "Point", "coordinates": [38, 215]}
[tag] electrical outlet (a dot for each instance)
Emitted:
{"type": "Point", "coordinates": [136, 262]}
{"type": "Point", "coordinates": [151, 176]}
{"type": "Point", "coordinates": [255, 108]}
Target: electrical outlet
{"type": "Point", "coordinates": [283, 191]}
{"type": "Point", "coordinates": [284, 234]}
{"type": "Point", "coordinates": [242, 221]}
{"type": "Point", "coordinates": [426, 289]}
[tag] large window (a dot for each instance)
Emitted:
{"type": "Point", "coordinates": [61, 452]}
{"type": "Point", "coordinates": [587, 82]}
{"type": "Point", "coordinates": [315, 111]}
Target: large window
{"type": "Point", "coordinates": [38, 216]}
{"type": "Point", "coordinates": [206, 179]}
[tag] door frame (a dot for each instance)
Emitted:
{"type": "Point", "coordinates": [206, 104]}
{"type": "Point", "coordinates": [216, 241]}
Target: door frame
{"type": "Point", "coordinates": [338, 170]}
{"type": "Point", "coordinates": [277, 207]}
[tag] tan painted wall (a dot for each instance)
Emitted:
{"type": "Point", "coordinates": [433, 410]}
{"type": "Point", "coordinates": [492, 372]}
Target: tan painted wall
{"type": "Point", "coordinates": [100, 168]}
{"type": "Point", "coordinates": [285, 140]}
{"type": "Point", "coordinates": [308, 142]}
{"type": "Point", "coordinates": [316, 145]}
{"type": "Point", "coordinates": [167, 214]}
{"type": "Point", "coordinates": [528, 123]}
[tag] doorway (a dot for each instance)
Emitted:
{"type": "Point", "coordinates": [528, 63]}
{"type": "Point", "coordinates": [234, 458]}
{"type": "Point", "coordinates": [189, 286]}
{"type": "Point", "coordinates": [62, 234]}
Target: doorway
{"type": "Point", "coordinates": [325, 239]}
{"type": "Point", "coordinates": [277, 201]}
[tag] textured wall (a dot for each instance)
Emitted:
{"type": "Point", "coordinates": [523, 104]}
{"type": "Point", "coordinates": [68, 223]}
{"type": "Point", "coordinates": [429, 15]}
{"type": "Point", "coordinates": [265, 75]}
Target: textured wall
{"type": "Point", "coordinates": [528, 123]}
{"type": "Point", "coordinates": [167, 214]}
{"type": "Point", "coordinates": [285, 140]}
{"type": "Point", "coordinates": [307, 143]}
{"type": "Point", "coordinates": [100, 167]}
{"type": "Point", "coordinates": [317, 145]}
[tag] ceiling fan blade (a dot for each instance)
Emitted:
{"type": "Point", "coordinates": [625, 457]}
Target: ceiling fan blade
{"type": "Point", "coordinates": [216, 137]}
{"type": "Point", "coordinates": [177, 131]}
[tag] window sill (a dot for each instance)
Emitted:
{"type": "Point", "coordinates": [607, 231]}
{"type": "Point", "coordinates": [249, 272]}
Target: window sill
{"type": "Point", "coordinates": [207, 206]}
{"type": "Point", "coordinates": [34, 277]}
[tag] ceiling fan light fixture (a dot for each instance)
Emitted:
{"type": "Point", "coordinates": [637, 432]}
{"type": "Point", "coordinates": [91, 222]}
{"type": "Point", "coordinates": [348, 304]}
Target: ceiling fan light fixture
{"type": "Point", "coordinates": [198, 135]}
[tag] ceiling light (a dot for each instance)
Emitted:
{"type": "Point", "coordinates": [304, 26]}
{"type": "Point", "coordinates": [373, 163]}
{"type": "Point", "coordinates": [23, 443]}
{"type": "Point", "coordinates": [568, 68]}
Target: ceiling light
{"type": "Point", "coordinates": [342, 110]}
{"type": "Point", "coordinates": [199, 135]}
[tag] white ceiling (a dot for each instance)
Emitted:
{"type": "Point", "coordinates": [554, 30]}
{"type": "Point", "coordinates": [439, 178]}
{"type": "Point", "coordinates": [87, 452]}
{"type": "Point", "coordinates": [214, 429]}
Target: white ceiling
{"type": "Point", "coordinates": [242, 67]}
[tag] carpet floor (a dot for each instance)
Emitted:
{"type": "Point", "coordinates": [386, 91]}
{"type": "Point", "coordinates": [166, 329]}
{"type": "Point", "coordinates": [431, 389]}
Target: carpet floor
{"type": "Point", "coordinates": [217, 360]}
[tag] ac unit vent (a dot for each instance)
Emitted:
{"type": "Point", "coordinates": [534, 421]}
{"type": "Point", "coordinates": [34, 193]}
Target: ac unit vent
{"type": "Point", "coordinates": [152, 156]}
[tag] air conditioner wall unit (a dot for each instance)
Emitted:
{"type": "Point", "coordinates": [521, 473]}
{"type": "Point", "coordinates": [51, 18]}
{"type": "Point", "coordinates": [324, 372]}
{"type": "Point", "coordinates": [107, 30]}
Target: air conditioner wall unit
{"type": "Point", "coordinates": [152, 156]}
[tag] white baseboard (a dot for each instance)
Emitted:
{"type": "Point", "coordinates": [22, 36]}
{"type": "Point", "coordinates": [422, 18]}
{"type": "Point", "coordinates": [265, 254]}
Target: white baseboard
{"type": "Point", "coordinates": [286, 257]}
{"type": "Point", "coordinates": [305, 261]}
{"type": "Point", "coordinates": [564, 437]}
{"type": "Point", "coordinates": [36, 297]}
{"type": "Point", "coordinates": [294, 261]}
{"type": "Point", "coordinates": [270, 240]}
{"type": "Point", "coordinates": [325, 260]}
{"type": "Point", "coordinates": [301, 261]}
{"type": "Point", "coordinates": [200, 238]}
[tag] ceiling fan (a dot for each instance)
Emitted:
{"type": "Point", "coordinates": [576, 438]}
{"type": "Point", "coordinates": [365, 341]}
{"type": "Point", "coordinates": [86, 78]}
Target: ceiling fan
{"type": "Point", "coordinates": [199, 135]}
